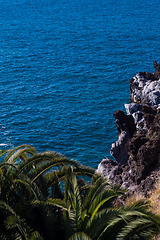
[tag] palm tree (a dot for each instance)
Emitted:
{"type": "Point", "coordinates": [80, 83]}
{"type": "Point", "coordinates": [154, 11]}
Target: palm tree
{"type": "Point", "coordinates": [91, 216]}
{"type": "Point", "coordinates": [46, 196]}
{"type": "Point", "coordinates": [30, 185]}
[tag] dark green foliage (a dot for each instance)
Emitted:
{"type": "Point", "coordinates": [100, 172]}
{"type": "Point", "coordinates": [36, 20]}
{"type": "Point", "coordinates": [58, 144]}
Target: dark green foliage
{"type": "Point", "coordinates": [94, 216]}
{"type": "Point", "coordinates": [45, 196]}
{"type": "Point", "coordinates": [30, 187]}
{"type": "Point", "coordinates": [79, 236]}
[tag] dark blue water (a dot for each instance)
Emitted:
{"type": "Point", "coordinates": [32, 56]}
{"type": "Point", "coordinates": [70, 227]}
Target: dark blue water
{"type": "Point", "coordinates": [64, 70]}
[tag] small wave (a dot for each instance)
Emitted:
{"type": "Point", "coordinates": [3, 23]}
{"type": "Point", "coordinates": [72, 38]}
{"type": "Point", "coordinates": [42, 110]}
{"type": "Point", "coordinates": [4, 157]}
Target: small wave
{"type": "Point", "coordinates": [3, 144]}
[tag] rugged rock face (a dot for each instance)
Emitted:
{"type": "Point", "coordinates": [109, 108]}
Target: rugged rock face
{"type": "Point", "coordinates": [145, 87]}
{"type": "Point", "coordinates": [137, 150]}
{"type": "Point", "coordinates": [126, 128]}
{"type": "Point", "coordinates": [111, 170]}
{"type": "Point", "coordinates": [157, 70]}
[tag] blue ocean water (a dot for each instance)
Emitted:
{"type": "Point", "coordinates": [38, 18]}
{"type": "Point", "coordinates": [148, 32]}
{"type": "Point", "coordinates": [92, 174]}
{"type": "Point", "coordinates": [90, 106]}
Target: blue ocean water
{"type": "Point", "coordinates": [64, 70]}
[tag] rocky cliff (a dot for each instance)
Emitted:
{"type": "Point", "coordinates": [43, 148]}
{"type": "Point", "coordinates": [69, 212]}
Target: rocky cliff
{"type": "Point", "coordinates": [137, 149]}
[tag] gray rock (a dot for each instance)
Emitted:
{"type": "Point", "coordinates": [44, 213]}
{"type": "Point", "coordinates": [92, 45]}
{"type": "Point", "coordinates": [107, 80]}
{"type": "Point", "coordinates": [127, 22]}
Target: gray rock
{"type": "Point", "coordinates": [118, 150]}
{"type": "Point", "coordinates": [145, 90]}
{"type": "Point", "coordinates": [132, 188]}
{"type": "Point", "coordinates": [137, 116]}
{"type": "Point", "coordinates": [135, 110]}
{"type": "Point", "coordinates": [131, 108]}
{"type": "Point", "coordinates": [110, 170]}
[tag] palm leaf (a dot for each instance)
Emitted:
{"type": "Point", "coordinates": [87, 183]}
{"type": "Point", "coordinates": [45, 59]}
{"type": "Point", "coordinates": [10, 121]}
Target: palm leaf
{"type": "Point", "coordinates": [36, 236]}
{"type": "Point", "coordinates": [102, 198]}
{"type": "Point", "coordinates": [15, 222]}
{"type": "Point", "coordinates": [6, 209]}
{"type": "Point", "coordinates": [79, 236]}
{"type": "Point", "coordinates": [142, 228]}
{"type": "Point", "coordinates": [79, 170]}
{"type": "Point", "coordinates": [74, 196]}
{"type": "Point", "coordinates": [7, 164]}
{"type": "Point", "coordinates": [122, 220]}
{"type": "Point", "coordinates": [16, 152]}
{"type": "Point", "coordinates": [72, 219]}
{"type": "Point", "coordinates": [141, 205]}
{"type": "Point", "coordinates": [94, 190]}
{"type": "Point", "coordinates": [42, 162]}
{"type": "Point", "coordinates": [95, 226]}
{"type": "Point", "coordinates": [55, 161]}
{"type": "Point", "coordinates": [54, 202]}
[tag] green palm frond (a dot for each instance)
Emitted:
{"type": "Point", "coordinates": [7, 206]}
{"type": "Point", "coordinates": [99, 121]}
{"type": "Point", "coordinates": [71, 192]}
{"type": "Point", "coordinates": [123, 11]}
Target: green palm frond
{"type": "Point", "coordinates": [79, 236]}
{"type": "Point", "coordinates": [124, 221]}
{"type": "Point", "coordinates": [21, 154]}
{"type": "Point", "coordinates": [11, 236]}
{"type": "Point", "coordinates": [141, 205]}
{"type": "Point", "coordinates": [36, 236]}
{"type": "Point", "coordinates": [20, 191]}
{"type": "Point", "coordinates": [28, 186]}
{"type": "Point", "coordinates": [6, 209]}
{"type": "Point", "coordinates": [142, 228]}
{"type": "Point", "coordinates": [95, 177]}
{"type": "Point", "coordinates": [95, 226]}
{"type": "Point", "coordinates": [7, 164]}
{"type": "Point", "coordinates": [40, 163]}
{"type": "Point", "coordinates": [94, 190]}
{"type": "Point", "coordinates": [17, 228]}
{"type": "Point", "coordinates": [43, 168]}
{"type": "Point", "coordinates": [61, 173]}
{"type": "Point", "coordinates": [14, 222]}
{"type": "Point", "coordinates": [103, 197]}
{"type": "Point", "coordinates": [54, 202]}
{"type": "Point", "coordinates": [56, 160]}
{"type": "Point", "coordinates": [74, 197]}
{"type": "Point", "coordinates": [56, 188]}
{"type": "Point", "coordinates": [3, 152]}
{"type": "Point", "coordinates": [84, 171]}
{"type": "Point", "coordinates": [18, 152]}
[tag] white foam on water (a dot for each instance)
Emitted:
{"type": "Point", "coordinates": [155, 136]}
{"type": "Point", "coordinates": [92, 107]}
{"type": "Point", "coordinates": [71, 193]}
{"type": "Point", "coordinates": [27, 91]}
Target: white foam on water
{"type": "Point", "coordinates": [3, 144]}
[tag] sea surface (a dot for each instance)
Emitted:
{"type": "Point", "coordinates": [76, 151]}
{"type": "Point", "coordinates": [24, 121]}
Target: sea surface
{"type": "Point", "coordinates": [64, 70]}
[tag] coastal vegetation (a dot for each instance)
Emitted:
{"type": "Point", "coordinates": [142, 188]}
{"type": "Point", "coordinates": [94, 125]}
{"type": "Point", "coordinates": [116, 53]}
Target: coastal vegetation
{"type": "Point", "coordinates": [46, 196]}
